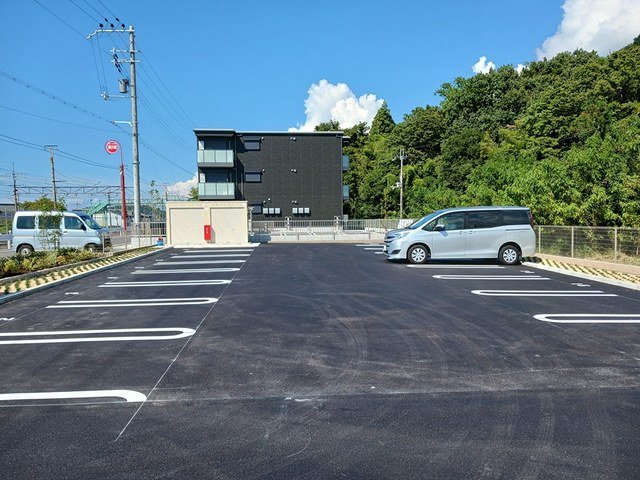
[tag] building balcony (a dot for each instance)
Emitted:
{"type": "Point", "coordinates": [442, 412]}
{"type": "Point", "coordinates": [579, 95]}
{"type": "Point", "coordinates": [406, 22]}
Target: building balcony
{"type": "Point", "coordinates": [345, 163]}
{"type": "Point", "coordinates": [217, 191]}
{"type": "Point", "coordinates": [215, 158]}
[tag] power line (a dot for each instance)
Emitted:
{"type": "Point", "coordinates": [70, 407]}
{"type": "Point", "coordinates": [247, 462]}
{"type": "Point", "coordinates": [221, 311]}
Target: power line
{"type": "Point", "coordinates": [72, 28]}
{"type": "Point", "coordinates": [56, 120]}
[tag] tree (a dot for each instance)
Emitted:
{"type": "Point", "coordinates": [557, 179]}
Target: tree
{"type": "Point", "coordinates": [44, 204]}
{"type": "Point", "coordinates": [383, 121]}
{"type": "Point", "coordinates": [193, 194]}
{"type": "Point", "coordinates": [330, 126]}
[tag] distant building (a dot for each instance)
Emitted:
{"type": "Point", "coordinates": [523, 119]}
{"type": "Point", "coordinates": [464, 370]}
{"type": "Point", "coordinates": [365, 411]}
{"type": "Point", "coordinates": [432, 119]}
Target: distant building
{"type": "Point", "coordinates": [280, 174]}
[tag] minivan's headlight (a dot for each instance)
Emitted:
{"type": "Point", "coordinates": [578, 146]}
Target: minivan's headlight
{"type": "Point", "coordinates": [402, 234]}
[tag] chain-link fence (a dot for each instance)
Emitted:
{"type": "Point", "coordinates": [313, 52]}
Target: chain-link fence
{"type": "Point", "coordinates": [617, 244]}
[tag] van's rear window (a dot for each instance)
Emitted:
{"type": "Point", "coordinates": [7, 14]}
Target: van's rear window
{"type": "Point", "coordinates": [26, 223]}
{"type": "Point", "coordinates": [515, 217]}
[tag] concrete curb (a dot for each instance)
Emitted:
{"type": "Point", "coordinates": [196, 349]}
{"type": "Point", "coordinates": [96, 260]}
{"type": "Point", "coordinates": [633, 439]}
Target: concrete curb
{"type": "Point", "coordinates": [14, 296]}
{"type": "Point", "coordinates": [584, 276]}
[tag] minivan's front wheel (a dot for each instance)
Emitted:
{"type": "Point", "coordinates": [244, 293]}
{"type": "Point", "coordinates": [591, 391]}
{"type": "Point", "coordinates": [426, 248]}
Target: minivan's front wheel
{"type": "Point", "coordinates": [92, 247]}
{"type": "Point", "coordinates": [418, 254]}
{"type": "Point", "coordinates": [509, 255]}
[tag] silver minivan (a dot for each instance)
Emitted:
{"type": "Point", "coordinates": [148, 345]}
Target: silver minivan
{"type": "Point", "coordinates": [36, 230]}
{"type": "Point", "coordinates": [502, 233]}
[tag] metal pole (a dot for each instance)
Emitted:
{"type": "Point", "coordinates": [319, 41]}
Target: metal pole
{"type": "Point", "coordinates": [572, 240]}
{"type": "Point", "coordinates": [123, 194]}
{"type": "Point", "coordinates": [51, 148]}
{"type": "Point", "coordinates": [15, 188]}
{"type": "Point", "coordinates": [401, 181]}
{"type": "Point", "coordinates": [134, 128]}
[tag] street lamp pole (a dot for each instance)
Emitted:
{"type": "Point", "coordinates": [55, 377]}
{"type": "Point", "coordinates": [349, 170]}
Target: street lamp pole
{"type": "Point", "coordinates": [402, 157]}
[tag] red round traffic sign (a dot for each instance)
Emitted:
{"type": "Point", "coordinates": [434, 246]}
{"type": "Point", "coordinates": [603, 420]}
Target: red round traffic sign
{"type": "Point", "coordinates": [112, 146]}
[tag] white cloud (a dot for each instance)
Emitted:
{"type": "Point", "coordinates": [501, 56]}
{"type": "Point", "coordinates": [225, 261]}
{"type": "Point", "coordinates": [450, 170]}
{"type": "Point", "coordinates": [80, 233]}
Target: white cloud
{"type": "Point", "coordinates": [520, 68]}
{"type": "Point", "coordinates": [328, 101]}
{"type": "Point", "coordinates": [182, 188]}
{"type": "Point", "coordinates": [482, 66]}
{"type": "Point", "coordinates": [600, 25]}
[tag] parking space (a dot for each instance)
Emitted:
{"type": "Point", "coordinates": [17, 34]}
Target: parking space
{"type": "Point", "coordinates": [320, 361]}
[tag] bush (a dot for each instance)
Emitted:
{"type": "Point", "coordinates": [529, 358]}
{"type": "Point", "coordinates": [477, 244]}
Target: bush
{"type": "Point", "coordinates": [36, 261]}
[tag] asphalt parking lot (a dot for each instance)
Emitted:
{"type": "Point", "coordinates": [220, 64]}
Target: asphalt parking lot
{"type": "Point", "coordinates": [320, 361]}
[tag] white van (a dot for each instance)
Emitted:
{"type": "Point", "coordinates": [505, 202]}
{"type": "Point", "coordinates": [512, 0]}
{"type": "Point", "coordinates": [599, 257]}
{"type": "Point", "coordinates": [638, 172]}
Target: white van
{"type": "Point", "coordinates": [502, 233]}
{"type": "Point", "coordinates": [36, 230]}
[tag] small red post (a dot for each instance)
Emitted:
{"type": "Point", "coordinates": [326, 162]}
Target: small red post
{"type": "Point", "coordinates": [207, 232]}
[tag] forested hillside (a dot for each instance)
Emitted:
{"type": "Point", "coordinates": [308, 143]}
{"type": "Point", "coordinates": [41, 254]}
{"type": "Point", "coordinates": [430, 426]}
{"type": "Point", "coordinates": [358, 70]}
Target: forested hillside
{"type": "Point", "coordinates": [562, 137]}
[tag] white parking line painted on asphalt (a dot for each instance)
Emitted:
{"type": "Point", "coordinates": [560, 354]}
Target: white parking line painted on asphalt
{"type": "Point", "coordinates": [213, 256]}
{"type": "Point", "coordinates": [589, 317]}
{"type": "Point", "coordinates": [543, 293]}
{"type": "Point", "coordinates": [222, 250]}
{"type": "Point", "coordinates": [182, 332]}
{"type": "Point", "coordinates": [455, 266]}
{"type": "Point", "coordinates": [199, 262]}
{"type": "Point", "coordinates": [490, 277]}
{"type": "Point", "coordinates": [126, 395]}
{"type": "Point", "coordinates": [373, 248]}
{"type": "Point", "coordinates": [379, 253]}
{"type": "Point", "coordinates": [138, 302]}
{"type": "Point", "coordinates": [187, 270]}
{"type": "Point", "coordinates": [165, 283]}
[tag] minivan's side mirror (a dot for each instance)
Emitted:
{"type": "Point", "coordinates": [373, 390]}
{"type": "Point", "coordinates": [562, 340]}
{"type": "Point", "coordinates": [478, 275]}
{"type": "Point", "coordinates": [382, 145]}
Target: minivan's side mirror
{"type": "Point", "coordinates": [83, 227]}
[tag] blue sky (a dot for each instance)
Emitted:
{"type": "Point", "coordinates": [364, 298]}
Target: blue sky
{"type": "Point", "coordinates": [247, 65]}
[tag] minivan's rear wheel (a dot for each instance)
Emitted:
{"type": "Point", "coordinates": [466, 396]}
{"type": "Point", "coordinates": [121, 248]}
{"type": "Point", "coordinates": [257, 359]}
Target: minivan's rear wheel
{"type": "Point", "coordinates": [418, 254]}
{"type": "Point", "coordinates": [509, 255]}
{"type": "Point", "coordinates": [25, 249]}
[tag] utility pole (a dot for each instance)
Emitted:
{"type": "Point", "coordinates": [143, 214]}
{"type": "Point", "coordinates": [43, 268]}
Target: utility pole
{"type": "Point", "coordinates": [51, 148]}
{"type": "Point", "coordinates": [15, 187]}
{"type": "Point", "coordinates": [132, 83]}
{"type": "Point", "coordinates": [134, 129]}
{"type": "Point", "coordinates": [402, 157]}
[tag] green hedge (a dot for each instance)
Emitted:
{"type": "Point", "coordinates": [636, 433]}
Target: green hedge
{"type": "Point", "coordinates": [36, 261]}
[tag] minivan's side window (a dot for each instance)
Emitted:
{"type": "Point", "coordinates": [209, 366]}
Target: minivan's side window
{"type": "Point", "coordinates": [515, 217]}
{"type": "Point", "coordinates": [452, 221]}
{"type": "Point", "coordinates": [488, 219]}
{"type": "Point", "coordinates": [26, 223]}
{"type": "Point", "coordinates": [72, 223]}
{"type": "Point", "coordinates": [49, 222]}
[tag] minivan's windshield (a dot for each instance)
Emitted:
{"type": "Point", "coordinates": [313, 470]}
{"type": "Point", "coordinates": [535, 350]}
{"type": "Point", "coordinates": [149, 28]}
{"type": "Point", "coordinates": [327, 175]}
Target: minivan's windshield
{"type": "Point", "coordinates": [90, 221]}
{"type": "Point", "coordinates": [423, 221]}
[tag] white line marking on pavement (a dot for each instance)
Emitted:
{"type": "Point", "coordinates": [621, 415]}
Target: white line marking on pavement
{"type": "Point", "coordinates": [72, 293]}
{"type": "Point", "coordinates": [250, 250]}
{"type": "Point", "coordinates": [490, 277]}
{"type": "Point", "coordinates": [379, 253]}
{"type": "Point", "coordinates": [138, 302]}
{"type": "Point", "coordinates": [138, 268]}
{"type": "Point", "coordinates": [455, 266]}
{"type": "Point", "coordinates": [588, 317]}
{"type": "Point", "coordinates": [167, 283]}
{"type": "Point", "coordinates": [7, 319]}
{"type": "Point", "coordinates": [112, 278]}
{"type": "Point", "coordinates": [126, 395]}
{"type": "Point", "coordinates": [373, 248]}
{"type": "Point", "coordinates": [543, 293]}
{"type": "Point", "coordinates": [200, 262]}
{"type": "Point", "coordinates": [184, 332]}
{"type": "Point", "coordinates": [578, 284]}
{"type": "Point", "coordinates": [369, 245]}
{"type": "Point", "coordinates": [187, 270]}
{"type": "Point", "coordinates": [213, 256]}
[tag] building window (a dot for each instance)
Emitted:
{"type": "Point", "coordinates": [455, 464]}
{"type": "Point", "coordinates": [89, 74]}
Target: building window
{"type": "Point", "coordinates": [252, 143]}
{"type": "Point", "coordinates": [253, 177]}
{"type": "Point", "coordinates": [256, 208]}
{"type": "Point", "coordinates": [216, 143]}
